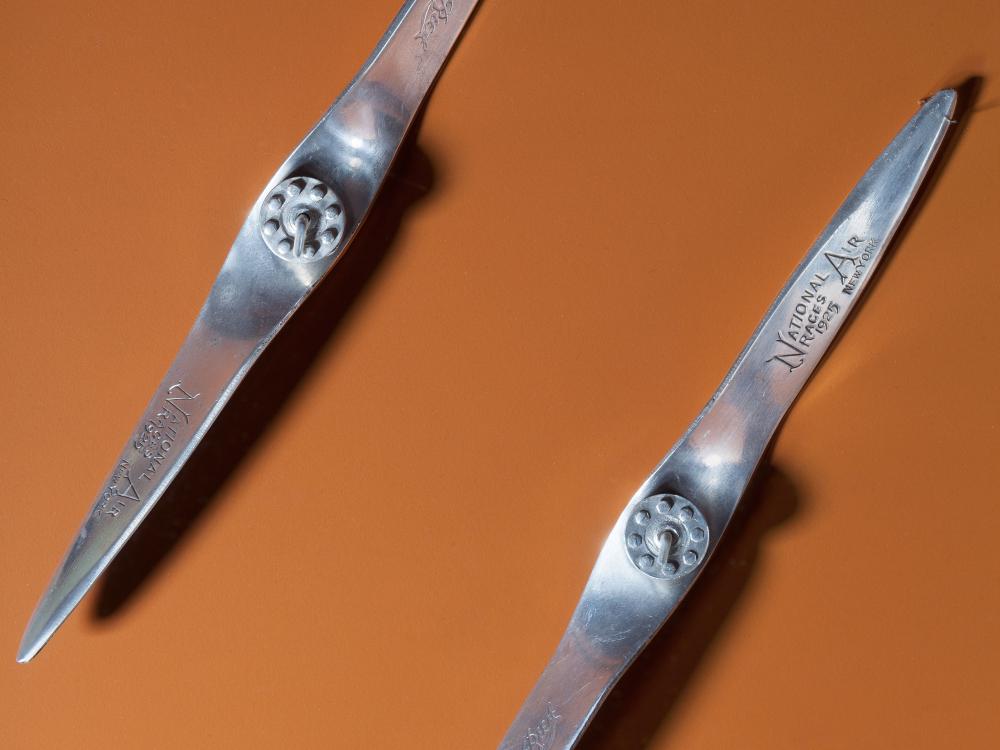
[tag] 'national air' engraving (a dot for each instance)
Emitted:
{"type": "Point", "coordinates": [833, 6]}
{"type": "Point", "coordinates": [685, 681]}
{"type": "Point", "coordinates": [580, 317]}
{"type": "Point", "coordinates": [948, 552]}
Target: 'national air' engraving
{"type": "Point", "coordinates": [810, 317]}
{"type": "Point", "coordinates": [156, 437]}
{"type": "Point", "coordinates": [153, 443]}
{"type": "Point", "coordinates": [119, 490]}
{"type": "Point", "coordinates": [852, 262]}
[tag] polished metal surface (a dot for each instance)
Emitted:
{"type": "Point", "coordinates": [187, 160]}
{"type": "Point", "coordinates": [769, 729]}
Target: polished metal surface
{"type": "Point", "coordinates": [634, 586]}
{"type": "Point", "coordinates": [329, 183]}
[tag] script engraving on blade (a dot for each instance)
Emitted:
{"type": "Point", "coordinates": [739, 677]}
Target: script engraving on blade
{"type": "Point", "coordinates": [852, 262]}
{"type": "Point", "coordinates": [810, 317]}
{"type": "Point", "coordinates": [153, 442]}
{"type": "Point", "coordinates": [436, 13]}
{"type": "Point", "coordinates": [120, 489]}
{"type": "Point", "coordinates": [543, 734]}
{"type": "Point", "coordinates": [157, 435]}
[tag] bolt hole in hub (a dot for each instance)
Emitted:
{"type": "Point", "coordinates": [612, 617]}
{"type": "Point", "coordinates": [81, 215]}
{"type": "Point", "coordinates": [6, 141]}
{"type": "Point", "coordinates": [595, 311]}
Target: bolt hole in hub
{"type": "Point", "coordinates": [302, 220]}
{"type": "Point", "coordinates": [666, 536]}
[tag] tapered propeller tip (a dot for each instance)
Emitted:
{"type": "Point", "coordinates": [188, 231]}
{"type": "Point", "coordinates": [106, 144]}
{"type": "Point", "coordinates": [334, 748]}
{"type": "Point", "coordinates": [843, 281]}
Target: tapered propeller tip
{"type": "Point", "coordinates": [40, 629]}
{"type": "Point", "coordinates": [27, 650]}
{"type": "Point", "coordinates": [945, 100]}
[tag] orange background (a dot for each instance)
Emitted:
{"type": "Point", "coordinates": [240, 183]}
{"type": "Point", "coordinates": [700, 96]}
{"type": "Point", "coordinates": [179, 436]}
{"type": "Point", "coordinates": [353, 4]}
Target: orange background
{"type": "Point", "coordinates": [389, 533]}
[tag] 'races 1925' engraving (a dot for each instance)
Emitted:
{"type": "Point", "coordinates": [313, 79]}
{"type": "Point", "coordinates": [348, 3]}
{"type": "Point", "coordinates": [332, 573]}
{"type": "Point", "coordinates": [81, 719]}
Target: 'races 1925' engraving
{"type": "Point", "coordinates": [153, 442]}
{"type": "Point", "coordinates": [810, 317]}
{"type": "Point", "coordinates": [814, 311]}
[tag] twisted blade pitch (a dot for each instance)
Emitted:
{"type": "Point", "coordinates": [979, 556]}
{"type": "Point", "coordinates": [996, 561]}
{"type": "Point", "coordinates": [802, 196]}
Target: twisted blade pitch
{"type": "Point", "coordinates": [622, 608]}
{"type": "Point", "coordinates": [349, 151]}
{"type": "Point", "coordinates": [218, 352]}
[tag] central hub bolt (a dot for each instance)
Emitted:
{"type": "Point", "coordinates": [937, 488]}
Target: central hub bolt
{"type": "Point", "coordinates": [666, 536]}
{"type": "Point", "coordinates": [302, 220]}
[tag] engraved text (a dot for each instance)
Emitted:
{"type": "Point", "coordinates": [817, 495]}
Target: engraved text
{"type": "Point", "coordinates": [810, 317]}
{"type": "Point", "coordinates": [542, 735]}
{"type": "Point", "coordinates": [436, 13]}
{"type": "Point", "coordinates": [156, 437]}
{"type": "Point", "coordinates": [852, 262]}
{"type": "Point", "coordinates": [120, 488]}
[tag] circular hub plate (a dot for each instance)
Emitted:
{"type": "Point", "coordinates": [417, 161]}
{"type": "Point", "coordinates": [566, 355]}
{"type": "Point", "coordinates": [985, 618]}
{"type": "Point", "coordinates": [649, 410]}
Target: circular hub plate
{"type": "Point", "coordinates": [302, 206]}
{"type": "Point", "coordinates": [666, 536]}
